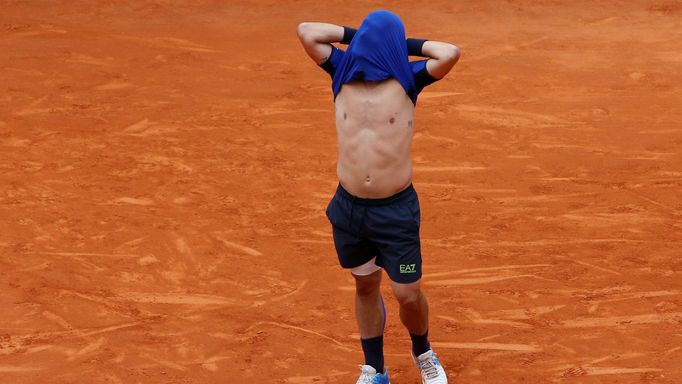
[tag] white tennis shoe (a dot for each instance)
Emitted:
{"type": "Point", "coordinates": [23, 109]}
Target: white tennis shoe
{"type": "Point", "coordinates": [369, 375]}
{"type": "Point", "coordinates": [431, 370]}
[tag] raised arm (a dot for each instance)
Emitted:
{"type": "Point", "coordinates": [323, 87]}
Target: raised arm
{"type": "Point", "coordinates": [442, 56]}
{"type": "Point", "coordinates": [317, 38]}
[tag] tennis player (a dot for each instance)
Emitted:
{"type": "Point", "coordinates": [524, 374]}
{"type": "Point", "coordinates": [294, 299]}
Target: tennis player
{"type": "Point", "coordinates": [375, 212]}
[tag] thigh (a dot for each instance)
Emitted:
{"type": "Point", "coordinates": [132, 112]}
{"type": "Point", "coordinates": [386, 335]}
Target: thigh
{"type": "Point", "coordinates": [366, 269]}
{"type": "Point", "coordinates": [401, 258]}
{"type": "Point", "coordinates": [351, 249]}
{"type": "Point", "coordinates": [395, 233]}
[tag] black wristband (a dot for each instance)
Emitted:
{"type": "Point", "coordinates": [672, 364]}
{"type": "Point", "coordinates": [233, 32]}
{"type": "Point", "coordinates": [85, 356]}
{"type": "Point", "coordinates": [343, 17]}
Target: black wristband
{"type": "Point", "coordinates": [414, 46]}
{"type": "Point", "coordinates": [348, 34]}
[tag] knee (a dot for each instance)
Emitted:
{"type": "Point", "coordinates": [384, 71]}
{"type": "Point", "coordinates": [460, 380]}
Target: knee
{"type": "Point", "coordinates": [409, 297]}
{"type": "Point", "coordinates": [368, 285]}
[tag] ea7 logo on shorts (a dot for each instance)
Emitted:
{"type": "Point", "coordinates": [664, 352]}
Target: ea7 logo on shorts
{"type": "Point", "coordinates": [408, 268]}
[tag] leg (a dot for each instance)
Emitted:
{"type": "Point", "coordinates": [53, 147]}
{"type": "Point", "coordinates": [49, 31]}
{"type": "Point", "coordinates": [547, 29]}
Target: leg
{"type": "Point", "coordinates": [396, 235]}
{"type": "Point", "coordinates": [370, 313]}
{"type": "Point", "coordinates": [369, 306]}
{"type": "Point", "coordinates": [414, 309]}
{"type": "Point", "coordinates": [359, 255]}
{"type": "Point", "coordinates": [414, 314]}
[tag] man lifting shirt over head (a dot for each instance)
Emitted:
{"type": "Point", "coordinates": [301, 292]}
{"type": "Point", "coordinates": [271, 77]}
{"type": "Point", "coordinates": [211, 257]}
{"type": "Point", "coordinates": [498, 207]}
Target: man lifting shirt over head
{"type": "Point", "coordinates": [375, 213]}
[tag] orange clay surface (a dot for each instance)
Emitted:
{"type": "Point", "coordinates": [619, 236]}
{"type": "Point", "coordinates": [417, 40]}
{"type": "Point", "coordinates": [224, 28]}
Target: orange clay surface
{"type": "Point", "coordinates": [165, 167]}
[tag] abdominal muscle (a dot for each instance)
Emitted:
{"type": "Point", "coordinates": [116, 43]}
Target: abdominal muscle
{"type": "Point", "coordinates": [374, 124]}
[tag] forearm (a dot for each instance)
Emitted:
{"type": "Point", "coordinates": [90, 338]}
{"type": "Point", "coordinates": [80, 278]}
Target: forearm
{"type": "Point", "coordinates": [442, 56]}
{"type": "Point", "coordinates": [428, 48]}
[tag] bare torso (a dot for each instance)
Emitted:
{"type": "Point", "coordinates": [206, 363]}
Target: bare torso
{"type": "Point", "coordinates": [374, 124]}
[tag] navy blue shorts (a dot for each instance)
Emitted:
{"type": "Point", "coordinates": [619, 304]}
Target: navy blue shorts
{"type": "Point", "coordinates": [387, 229]}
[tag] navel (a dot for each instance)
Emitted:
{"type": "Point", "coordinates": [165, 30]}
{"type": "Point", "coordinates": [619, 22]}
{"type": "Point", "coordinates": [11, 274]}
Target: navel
{"type": "Point", "coordinates": [344, 116]}
{"type": "Point", "coordinates": [392, 120]}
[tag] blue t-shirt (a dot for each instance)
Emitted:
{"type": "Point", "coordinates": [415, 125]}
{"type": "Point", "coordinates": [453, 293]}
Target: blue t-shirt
{"type": "Point", "coordinates": [422, 78]}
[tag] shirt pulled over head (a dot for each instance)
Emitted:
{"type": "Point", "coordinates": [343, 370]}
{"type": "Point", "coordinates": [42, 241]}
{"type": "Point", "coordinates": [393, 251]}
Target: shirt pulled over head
{"type": "Point", "coordinates": [377, 52]}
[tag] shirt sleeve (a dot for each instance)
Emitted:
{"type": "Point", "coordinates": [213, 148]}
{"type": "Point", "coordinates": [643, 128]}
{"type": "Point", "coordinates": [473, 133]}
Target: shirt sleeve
{"type": "Point", "coordinates": [333, 61]}
{"type": "Point", "coordinates": [422, 77]}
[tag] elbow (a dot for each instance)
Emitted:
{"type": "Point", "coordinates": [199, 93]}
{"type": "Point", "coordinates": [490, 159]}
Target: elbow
{"type": "Point", "coordinates": [451, 53]}
{"type": "Point", "coordinates": [301, 29]}
{"type": "Point", "coordinates": [305, 32]}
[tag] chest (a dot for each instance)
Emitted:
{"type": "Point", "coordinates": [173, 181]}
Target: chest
{"type": "Point", "coordinates": [373, 104]}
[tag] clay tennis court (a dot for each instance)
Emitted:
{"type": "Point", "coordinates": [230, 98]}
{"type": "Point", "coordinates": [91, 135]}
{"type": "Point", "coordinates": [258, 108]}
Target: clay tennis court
{"type": "Point", "coordinates": [165, 167]}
